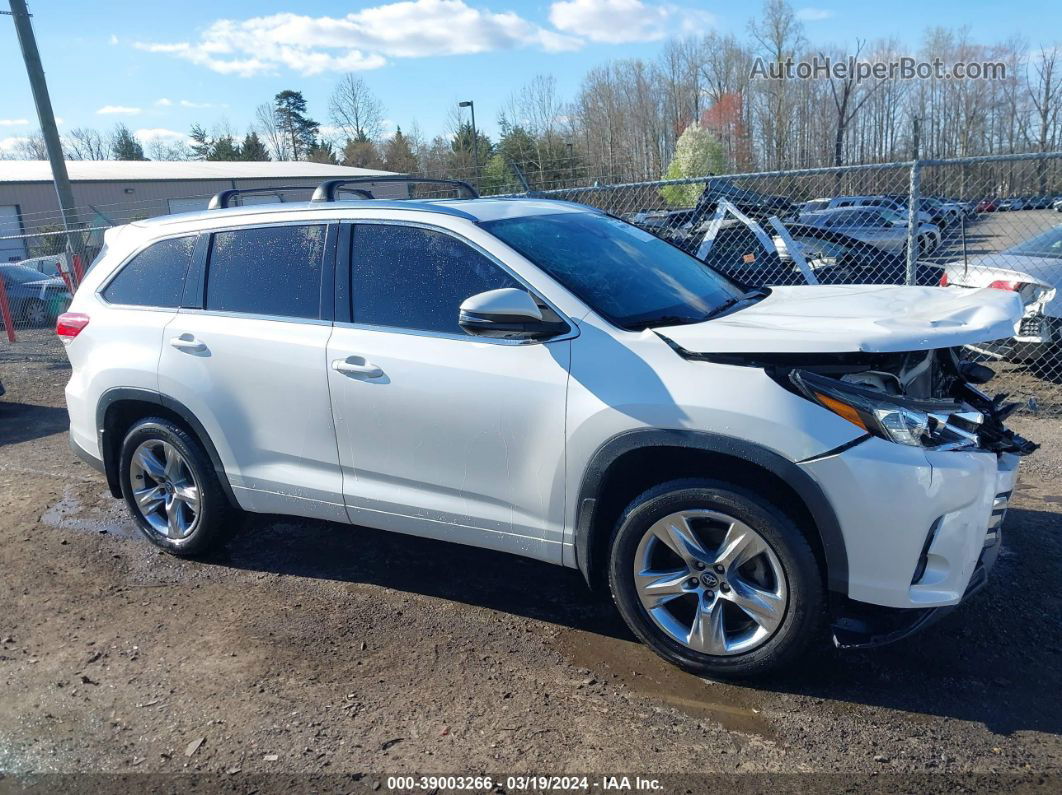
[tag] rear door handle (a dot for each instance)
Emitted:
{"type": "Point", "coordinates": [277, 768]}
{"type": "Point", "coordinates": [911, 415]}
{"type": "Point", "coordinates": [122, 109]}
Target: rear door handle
{"type": "Point", "coordinates": [357, 366]}
{"type": "Point", "coordinates": [188, 342]}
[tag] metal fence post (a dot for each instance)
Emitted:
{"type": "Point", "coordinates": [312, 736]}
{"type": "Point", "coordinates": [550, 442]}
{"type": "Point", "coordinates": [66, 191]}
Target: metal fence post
{"type": "Point", "coordinates": [912, 212]}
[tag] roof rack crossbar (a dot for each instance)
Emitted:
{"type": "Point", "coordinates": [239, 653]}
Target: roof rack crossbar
{"type": "Point", "coordinates": [326, 191]}
{"type": "Point", "coordinates": [223, 199]}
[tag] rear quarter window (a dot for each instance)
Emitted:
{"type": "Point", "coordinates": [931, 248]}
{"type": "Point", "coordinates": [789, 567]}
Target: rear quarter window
{"type": "Point", "coordinates": [155, 276]}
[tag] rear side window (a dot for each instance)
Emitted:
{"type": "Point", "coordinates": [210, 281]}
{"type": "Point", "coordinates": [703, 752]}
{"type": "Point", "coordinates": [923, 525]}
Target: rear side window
{"type": "Point", "coordinates": [273, 270]}
{"type": "Point", "coordinates": [155, 276]}
{"type": "Point", "coordinates": [414, 278]}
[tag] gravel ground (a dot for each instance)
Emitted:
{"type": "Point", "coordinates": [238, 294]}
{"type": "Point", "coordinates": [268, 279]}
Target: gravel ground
{"type": "Point", "coordinates": [314, 655]}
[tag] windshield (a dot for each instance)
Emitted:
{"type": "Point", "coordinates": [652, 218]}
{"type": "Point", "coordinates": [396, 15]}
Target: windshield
{"type": "Point", "coordinates": [628, 276]}
{"type": "Point", "coordinates": [20, 274]}
{"type": "Point", "coordinates": [1049, 244]}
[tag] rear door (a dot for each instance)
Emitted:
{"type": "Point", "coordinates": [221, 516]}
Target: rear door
{"type": "Point", "coordinates": [441, 433]}
{"type": "Point", "coordinates": [246, 355]}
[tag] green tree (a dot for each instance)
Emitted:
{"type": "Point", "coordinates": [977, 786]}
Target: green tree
{"type": "Point", "coordinates": [225, 148]}
{"type": "Point", "coordinates": [253, 148]}
{"type": "Point", "coordinates": [463, 146]}
{"type": "Point", "coordinates": [321, 152]}
{"type": "Point", "coordinates": [698, 153]}
{"type": "Point", "coordinates": [124, 145]}
{"type": "Point", "coordinates": [361, 154]}
{"type": "Point", "coordinates": [300, 131]}
{"type": "Point", "coordinates": [201, 143]}
{"type": "Point", "coordinates": [398, 154]}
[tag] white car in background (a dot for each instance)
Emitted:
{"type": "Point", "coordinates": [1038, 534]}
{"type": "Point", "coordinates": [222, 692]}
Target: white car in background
{"type": "Point", "coordinates": [1033, 270]}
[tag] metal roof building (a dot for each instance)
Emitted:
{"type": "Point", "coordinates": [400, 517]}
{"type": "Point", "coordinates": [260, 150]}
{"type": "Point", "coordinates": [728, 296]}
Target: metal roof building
{"type": "Point", "coordinates": [109, 192]}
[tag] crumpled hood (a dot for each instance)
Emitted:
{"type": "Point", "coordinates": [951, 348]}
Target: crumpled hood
{"type": "Point", "coordinates": [851, 318]}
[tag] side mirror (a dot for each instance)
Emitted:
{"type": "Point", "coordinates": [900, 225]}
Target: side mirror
{"type": "Point", "coordinates": [508, 313]}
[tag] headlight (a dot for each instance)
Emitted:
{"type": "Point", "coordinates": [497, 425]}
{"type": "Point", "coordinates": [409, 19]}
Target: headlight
{"type": "Point", "coordinates": [919, 423]}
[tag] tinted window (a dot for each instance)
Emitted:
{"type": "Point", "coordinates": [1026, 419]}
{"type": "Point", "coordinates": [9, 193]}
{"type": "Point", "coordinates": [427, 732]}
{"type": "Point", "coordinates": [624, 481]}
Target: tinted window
{"type": "Point", "coordinates": [155, 276]}
{"type": "Point", "coordinates": [629, 276]}
{"type": "Point", "coordinates": [274, 270]}
{"type": "Point", "coordinates": [414, 278]}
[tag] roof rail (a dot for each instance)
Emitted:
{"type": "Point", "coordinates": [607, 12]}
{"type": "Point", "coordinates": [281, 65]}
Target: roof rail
{"type": "Point", "coordinates": [326, 191]}
{"type": "Point", "coordinates": [221, 200]}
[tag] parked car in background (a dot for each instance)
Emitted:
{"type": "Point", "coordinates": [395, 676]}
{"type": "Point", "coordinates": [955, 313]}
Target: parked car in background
{"type": "Point", "coordinates": [35, 299]}
{"type": "Point", "coordinates": [1033, 270]}
{"type": "Point", "coordinates": [49, 266]}
{"type": "Point", "coordinates": [1057, 205]}
{"type": "Point", "coordinates": [896, 203]}
{"type": "Point", "coordinates": [886, 229]}
{"type": "Point", "coordinates": [837, 258]}
{"type": "Point", "coordinates": [1011, 204]}
{"type": "Point", "coordinates": [987, 206]}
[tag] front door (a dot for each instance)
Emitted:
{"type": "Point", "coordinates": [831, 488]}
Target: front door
{"type": "Point", "coordinates": [440, 433]}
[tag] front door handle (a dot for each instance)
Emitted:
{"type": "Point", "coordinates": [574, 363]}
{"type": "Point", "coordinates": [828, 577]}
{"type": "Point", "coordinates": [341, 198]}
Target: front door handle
{"type": "Point", "coordinates": [188, 342]}
{"type": "Point", "coordinates": [357, 366]}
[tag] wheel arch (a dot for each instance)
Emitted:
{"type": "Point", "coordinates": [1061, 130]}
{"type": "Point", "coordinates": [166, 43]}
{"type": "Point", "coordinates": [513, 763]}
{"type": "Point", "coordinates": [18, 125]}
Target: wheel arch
{"type": "Point", "coordinates": [632, 461]}
{"type": "Point", "coordinates": [118, 408]}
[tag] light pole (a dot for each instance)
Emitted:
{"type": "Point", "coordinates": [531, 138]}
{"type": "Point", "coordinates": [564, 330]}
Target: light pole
{"type": "Point", "coordinates": [475, 137]}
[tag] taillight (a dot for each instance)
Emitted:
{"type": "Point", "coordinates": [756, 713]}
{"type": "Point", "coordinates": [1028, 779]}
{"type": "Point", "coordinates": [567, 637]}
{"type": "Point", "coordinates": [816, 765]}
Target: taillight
{"type": "Point", "coordinates": [69, 324]}
{"type": "Point", "coordinates": [1002, 284]}
{"type": "Point", "coordinates": [944, 280]}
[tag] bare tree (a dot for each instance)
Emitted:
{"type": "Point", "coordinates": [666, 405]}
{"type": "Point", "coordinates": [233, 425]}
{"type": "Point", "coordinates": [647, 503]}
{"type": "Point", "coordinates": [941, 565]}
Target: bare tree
{"type": "Point", "coordinates": [849, 96]}
{"type": "Point", "coordinates": [85, 143]}
{"type": "Point", "coordinates": [266, 126]}
{"type": "Point", "coordinates": [32, 147]}
{"type": "Point", "coordinates": [356, 110]}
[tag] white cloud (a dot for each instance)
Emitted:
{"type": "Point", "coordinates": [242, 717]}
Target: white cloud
{"type": "Point", "coordinates": [14, 122]}
{"type": "Point", "coordinates": [163, 102]}
{"type": "Point", "coordinates": [187, 103]}
{"type": "Point", "coordinates": [813, 14]}
{"type": "Point", "coordinates": [11, 143]}
{"type": "Point", "coordinates": [621, 21]}
{"type": "Point", "coordinates": [361, 40]}
{"type": "Point", "coordinates": [112, 40]}
{"type": "Point", "coordinates": [149, 134]}
{"type": "Point", "coordinates": [107, 110]}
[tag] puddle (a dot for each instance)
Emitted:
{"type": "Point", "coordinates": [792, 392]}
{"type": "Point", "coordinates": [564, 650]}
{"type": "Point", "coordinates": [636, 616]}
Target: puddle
{"type": "Point", "coordinates": [1051, 498]}
{"type": "Point", "coordinates": [71, 514]}
{"type": "Point", "coordinates": [734, 708]}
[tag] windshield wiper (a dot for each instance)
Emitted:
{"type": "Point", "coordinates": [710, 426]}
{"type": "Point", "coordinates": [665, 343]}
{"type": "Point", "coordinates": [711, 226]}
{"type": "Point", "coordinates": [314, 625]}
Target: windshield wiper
{"type": "Point", "coordinates": [756, 293]}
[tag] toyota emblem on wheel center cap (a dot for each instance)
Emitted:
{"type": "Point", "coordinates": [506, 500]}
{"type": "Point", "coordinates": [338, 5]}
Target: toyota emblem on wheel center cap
{"type": "Point", "coordinates": [709, 580]}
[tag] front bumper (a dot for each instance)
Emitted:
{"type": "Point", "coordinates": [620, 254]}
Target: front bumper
{"type": "Point", "coordinates": [919, 526]}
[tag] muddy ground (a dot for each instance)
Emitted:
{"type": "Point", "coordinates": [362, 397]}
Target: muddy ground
{"type": "Point", "coordinates": [306, 649]}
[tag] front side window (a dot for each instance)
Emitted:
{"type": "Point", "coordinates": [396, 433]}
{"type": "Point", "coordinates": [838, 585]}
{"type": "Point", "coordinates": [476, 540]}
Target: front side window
{"type": "Point", "coordinates": [271, 270]}
{"type": "Point", "coordinates": [630, 277]}
{"type": "Point", "coordinates": [155, 276]}
{"type": "Point", "coordinates": [414, 278]}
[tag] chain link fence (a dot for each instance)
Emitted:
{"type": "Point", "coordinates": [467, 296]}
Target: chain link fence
{"type": "Point", "coordinates": [992, 222]}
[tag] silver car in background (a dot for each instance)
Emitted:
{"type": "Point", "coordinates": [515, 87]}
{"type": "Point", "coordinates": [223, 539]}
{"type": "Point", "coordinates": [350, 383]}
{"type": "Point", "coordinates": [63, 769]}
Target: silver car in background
{"type": "Point", "coordinates": [880, 227]}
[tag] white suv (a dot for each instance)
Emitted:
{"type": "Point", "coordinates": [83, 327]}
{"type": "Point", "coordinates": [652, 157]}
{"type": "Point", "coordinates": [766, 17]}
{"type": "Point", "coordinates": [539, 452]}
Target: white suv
{"type": "Point", "coordinates": [743, 469]}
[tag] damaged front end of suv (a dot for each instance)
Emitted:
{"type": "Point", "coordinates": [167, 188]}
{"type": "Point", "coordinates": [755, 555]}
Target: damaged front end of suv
{"type": "Point", "coordinates": [924, 398]}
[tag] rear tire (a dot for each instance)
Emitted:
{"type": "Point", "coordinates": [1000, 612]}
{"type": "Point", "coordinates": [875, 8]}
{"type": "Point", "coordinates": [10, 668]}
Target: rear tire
{"type": "Point", "coordinates": [171, 489]}
{"type": "Point", "coordinates": [716, 580]}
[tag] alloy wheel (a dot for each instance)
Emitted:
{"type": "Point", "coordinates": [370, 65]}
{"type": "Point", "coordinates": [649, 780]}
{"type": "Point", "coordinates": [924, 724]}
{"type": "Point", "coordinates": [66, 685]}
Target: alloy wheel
{"type": "Point", "coordinates": [710, 582]}
{"type": "Point", "coordinates": [165, 489]}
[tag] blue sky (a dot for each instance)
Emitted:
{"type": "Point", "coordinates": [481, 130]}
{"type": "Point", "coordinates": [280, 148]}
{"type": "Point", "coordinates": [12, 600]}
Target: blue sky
{"type": "Point", "coordinates": [159, 66]}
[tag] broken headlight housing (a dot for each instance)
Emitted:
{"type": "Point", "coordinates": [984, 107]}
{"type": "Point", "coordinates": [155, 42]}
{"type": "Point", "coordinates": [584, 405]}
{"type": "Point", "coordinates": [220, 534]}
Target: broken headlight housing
{"type": "Point", "coordinates": [941, 425]}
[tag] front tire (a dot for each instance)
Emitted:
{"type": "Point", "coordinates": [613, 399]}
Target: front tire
{"type": "Point", "coordinates": [34, 313]}
{"type": "Point", "coordinates": [716, 580]}
{"type": "Point", "coordinates": [172, 490]}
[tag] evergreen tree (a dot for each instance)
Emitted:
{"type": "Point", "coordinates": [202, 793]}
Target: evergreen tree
{"type": "Point", "coordinates": [225, 148]}
{"type": "Point", "coordinates": [300, 131]}
{"type": "Point", "coordinates": [398, 154]}
{"type": "Point", "coordinates": [201, 143]}
{"type": "Point", "coordinates": [321, 152]}
{"type": "Point", "coordinates": [361, 154]}
{"type": "Point", "coordinates": [125, 146]}
{"type": "Point", "coordinates": [253, 148]}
